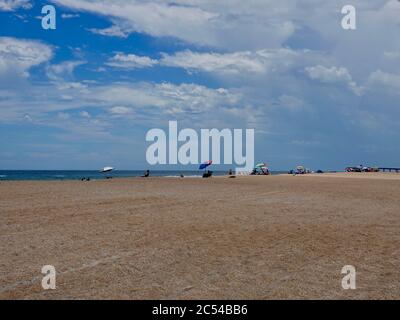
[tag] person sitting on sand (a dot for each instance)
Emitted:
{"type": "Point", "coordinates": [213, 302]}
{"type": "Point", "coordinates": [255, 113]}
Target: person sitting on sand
{"type": "Point", "coordinates": [231, 174]}
{"type": "Point", "coordinates": [146, 174]}
{"type": "Point", "coordinates": [207, 174]}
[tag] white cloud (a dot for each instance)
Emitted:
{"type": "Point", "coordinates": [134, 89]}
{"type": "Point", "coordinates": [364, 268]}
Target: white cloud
{"type": "Point", "coordinates": [130, 61]}
{"type": "Point", "coordinates": [333, 75]}
{"type": "Point", "coordinates": [328, 75]}
{"type": "Point", "coordinates": [153, 102]}
{"type": "Point", "coordinates": [236, 63]}
{"type": "Point", "coordinates": [236, 25]}
{"type": "Point", "coordinates": [232, 23]}
{"type": "Point", "coordinates": [64, 69]}
{"type": "Point", "coordinates": [120, 110]}
{"type": "Point", "coordinates": [156, 18]}
{"type": "Point", "coordinates": [386, 79]}
{"type": "Point", "coordinates": [113, 31]}
{"type": "Point", "coordinates": [230, 63]}
{"type": "Point", "coordinates": [12, 5]}
{"type": "Point", "coordinates": [167, 98]}
{"type": "Point", "coordinates": [18, 56]}
{"type": "Point", "coordinates": [85, 114]}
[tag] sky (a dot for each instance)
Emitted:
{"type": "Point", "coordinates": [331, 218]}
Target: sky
{"type": "Point", "coordinates": [83, 96]}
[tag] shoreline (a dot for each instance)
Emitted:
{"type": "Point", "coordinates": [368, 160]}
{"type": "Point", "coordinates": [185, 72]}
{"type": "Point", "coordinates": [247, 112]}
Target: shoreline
{"type": "Point", "coordinates": [346, 175]}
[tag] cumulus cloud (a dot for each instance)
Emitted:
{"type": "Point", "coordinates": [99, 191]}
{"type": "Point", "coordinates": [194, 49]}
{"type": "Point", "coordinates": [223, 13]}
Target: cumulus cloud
{"type": "Point", "coordinates": [154, 18]}
{"type": "Point", "coordinates": [166, 97]}
{"type": "Point", "coordinates": [131, 61]}
{"type": "Point", "coordinates": [235, 63]}
{"type": "Point", "coordinates": [12, 5]}
{"type": "Point", "coordinates": [239, 25]}
{"type": "Point", "coordinates": [333, 75]}
{"type": "Point", "coordinates": [218, 24]}
{"type": "Point", "coordinates": [153, 101]}
{"type": "Point", "coordinates": [17, 56]}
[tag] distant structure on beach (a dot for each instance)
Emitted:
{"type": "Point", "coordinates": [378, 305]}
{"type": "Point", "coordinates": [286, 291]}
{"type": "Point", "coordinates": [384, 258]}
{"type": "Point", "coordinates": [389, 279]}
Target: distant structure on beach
{"type": "Point", "coordinates": [362, 168]}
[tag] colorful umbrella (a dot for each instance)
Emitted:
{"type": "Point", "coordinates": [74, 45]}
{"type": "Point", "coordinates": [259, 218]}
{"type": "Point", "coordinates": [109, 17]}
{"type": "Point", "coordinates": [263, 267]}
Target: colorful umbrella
{"type": "Point", "coordinates": [261, 165]}
{"type": "Point", "coordinates": [205, 165]}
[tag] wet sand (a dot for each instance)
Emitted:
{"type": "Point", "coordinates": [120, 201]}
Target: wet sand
{"type": "Point", "coordinates": [164, 238]}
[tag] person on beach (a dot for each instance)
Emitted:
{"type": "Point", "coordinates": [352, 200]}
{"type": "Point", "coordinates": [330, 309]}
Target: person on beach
{"type": "Point", "coordinates": [146, 174]}
{"type": "Point", "coordinates": [207, 174]}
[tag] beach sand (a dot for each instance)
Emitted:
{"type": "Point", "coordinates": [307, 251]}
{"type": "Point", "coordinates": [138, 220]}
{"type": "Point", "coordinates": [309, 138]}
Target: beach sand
{"type": "Point", "coordinates": [270, 237]}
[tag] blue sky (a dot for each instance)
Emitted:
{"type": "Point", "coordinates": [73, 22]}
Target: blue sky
{"type": "Point", "coordinates": [84, 95]}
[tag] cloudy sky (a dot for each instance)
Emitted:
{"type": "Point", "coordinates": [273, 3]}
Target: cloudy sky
{"type": "Point", "coordinates": [84, 95]}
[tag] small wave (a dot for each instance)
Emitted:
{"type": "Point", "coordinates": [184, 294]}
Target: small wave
{"type": "Point", "coordinates": [59, 176]}
{"type": "Point", "coordinates": [3, 176]}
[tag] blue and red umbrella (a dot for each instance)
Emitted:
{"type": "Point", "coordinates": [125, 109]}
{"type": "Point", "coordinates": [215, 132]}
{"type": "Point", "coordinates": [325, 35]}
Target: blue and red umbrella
{"type": "Point", "coordinates": [205, 165]}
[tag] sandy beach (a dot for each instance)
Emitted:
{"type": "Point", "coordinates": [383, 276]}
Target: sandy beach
{"type": "Point", "coordinates": [270, 237]}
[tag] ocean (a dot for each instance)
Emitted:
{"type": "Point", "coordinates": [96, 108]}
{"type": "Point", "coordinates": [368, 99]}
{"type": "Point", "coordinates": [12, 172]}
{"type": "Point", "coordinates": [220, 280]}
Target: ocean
{"type": "Point", "coordinates": [18, 175]}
